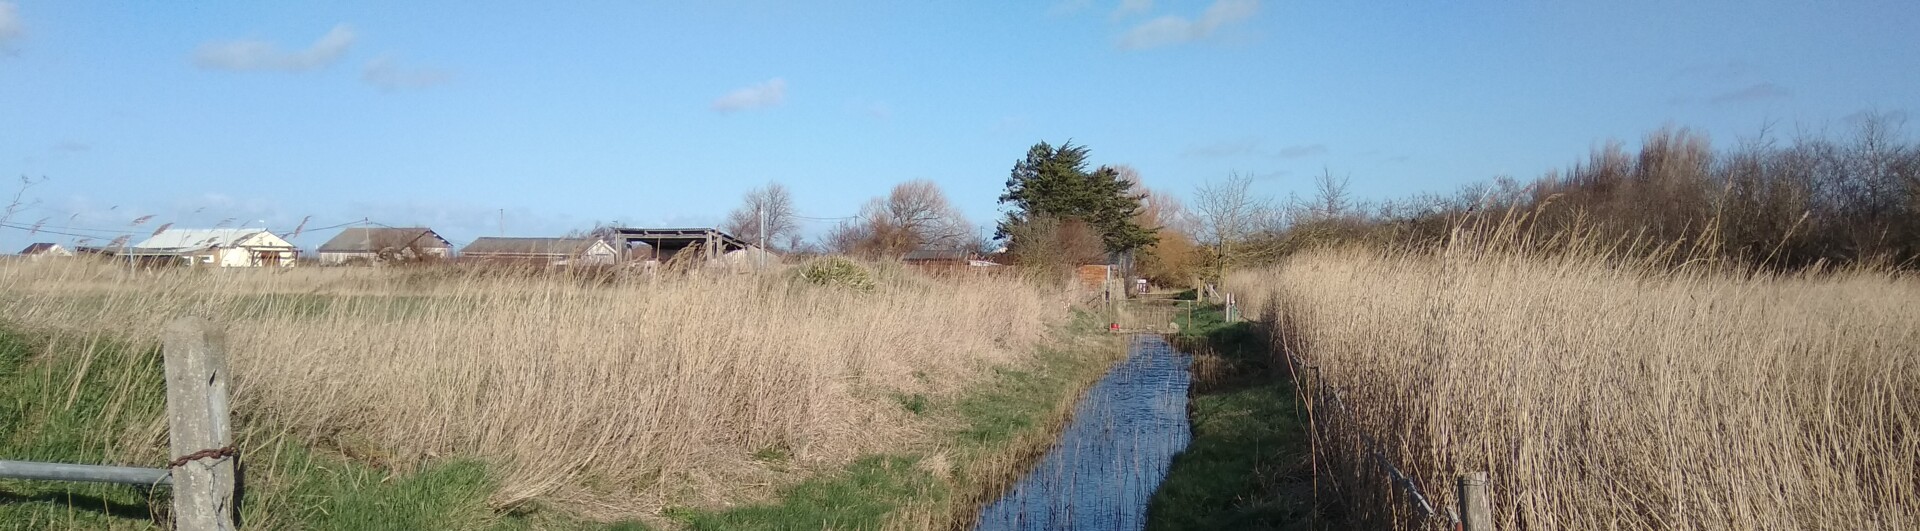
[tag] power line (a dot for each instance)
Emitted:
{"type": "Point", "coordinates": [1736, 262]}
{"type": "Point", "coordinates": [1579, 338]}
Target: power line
{"type": "Point", "coordinates": [40, 230]}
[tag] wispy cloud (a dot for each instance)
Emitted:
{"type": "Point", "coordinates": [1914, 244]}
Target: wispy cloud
{"type": "Point", "coordinates": [390, 75]}
{"type": "Point", "coordinates": [1251, 147]}
{"type": "Point", "coordinates": [1301, 151]}
{"type": "Point", "coordinates": [771, 93]}
{"type": "Point", "coordinates": [1720, 72]}
{"type": "Point", "coordinates": [259, 55]}
{"type": "Point", "coordinates": [1226, 149]}
{"type": "Point", "coordinates": [1008, 124]}
{"type": "Point", "coordinates": [1174, 29]}
{"type": "Point", "coordinates": [878, 110]}
{"type": "Point", "coordinates": [10, 27]}
{"type": "Point", "coordinates": [1755, 92]}
{"type": "Point", "coordinates": [1132, 7]}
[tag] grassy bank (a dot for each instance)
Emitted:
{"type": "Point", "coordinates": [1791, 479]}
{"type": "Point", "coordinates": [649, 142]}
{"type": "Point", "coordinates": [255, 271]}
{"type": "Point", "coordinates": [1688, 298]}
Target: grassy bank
{"type": "Point", "coordinates": [988, 436]}
{"type": "Point", "coordinates": [1603, 392]}
{"type": "Point", "coordinates": [1248, 465]}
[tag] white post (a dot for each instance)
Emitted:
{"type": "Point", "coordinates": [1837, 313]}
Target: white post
{"type": "Point", "coordinates": [200, 437]}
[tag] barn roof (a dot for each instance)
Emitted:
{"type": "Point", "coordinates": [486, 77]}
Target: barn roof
{"type": "Point", "coordinates": [372, 239]}
{"type": "Point", "coordinates": [677, 239]}
{"type": "Point", "coordinates": [529, 246]}
{"type": "Point", "coordinates": [173, 240]}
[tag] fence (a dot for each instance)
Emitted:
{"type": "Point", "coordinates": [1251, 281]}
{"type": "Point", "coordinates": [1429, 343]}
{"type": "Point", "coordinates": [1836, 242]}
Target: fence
{"type": "Point", "coordinates": [204, 470]}
{"type": "Point", "coordinates": [1330, 419]}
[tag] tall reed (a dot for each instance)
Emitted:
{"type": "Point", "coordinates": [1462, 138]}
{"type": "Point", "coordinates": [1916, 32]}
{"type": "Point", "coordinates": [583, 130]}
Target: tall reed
{"type": "Point", "coordinates": [612, 396]}
{"type": "Point", "coordinates": [1603, 391]}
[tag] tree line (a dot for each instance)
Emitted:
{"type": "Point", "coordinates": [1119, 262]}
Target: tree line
{"type": "Point", "coordinates": [1811, 201]}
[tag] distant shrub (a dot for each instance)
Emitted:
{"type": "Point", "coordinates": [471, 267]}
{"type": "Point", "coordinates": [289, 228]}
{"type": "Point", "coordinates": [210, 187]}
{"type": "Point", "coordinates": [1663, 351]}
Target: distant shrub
{"type": "Point", "coordinates": [837, 271]}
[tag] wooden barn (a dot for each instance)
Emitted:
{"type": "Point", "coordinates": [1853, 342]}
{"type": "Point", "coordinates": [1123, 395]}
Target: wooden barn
{"type": "Point", "coordinates": [540, 251]}
{"type": "Point", "coordinates": [373, 245]}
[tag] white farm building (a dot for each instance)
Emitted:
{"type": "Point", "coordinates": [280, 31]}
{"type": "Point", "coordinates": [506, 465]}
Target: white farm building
{"type": "Point", "coordinates": [215, 248]}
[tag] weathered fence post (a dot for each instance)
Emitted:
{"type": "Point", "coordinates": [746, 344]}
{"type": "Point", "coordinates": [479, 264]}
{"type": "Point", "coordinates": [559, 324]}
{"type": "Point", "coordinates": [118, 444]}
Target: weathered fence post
{"type": "Point", "coordinates": [1476, 510]}
{"type": "Point", "coordinates": [197, 424]}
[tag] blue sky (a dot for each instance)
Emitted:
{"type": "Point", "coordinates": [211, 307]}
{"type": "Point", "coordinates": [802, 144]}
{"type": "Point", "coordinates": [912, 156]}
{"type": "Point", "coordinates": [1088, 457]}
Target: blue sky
{"type": "Point", "coordinates": [448, 113]}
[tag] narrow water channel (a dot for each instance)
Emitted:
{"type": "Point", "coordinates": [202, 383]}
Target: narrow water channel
{"type": "Point", "coordinates": [1108, 462]}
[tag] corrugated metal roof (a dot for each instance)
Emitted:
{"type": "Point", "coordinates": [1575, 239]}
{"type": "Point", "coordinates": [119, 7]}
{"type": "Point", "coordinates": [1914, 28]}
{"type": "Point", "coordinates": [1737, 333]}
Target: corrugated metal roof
{"type": "Point", "coordinates": [529, 246]}
{"type": "Point", "coordinates": [372, 239]}
{"type": "Point", "coordinates": [195, 239]}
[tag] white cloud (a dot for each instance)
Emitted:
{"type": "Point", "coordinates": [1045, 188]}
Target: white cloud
{"type": "Point", "coordinates": [9, 21]}
{"type": "Point", "coordinates": [1174, 29]}
{"type": "Point", "coordinates": [769, 94]}
{"type": "Point", "coordinates": [390, 75]}
{"type": "Point", "coordinates": [1132, 7]}
{"type": "Point", "coordinates": [254, 55]}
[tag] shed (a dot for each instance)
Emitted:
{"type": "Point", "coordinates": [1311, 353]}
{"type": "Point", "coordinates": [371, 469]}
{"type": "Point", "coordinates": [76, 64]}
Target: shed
{"type": "Point", "coordinates": [385, 244]}
{"type": "Point", "coordinates": [543, 251]}
{"type": "Point", "coordinates": [215, 248]}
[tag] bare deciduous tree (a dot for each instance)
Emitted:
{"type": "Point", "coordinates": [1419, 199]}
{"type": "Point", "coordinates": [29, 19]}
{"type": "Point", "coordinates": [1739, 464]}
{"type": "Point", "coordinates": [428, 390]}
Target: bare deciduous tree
{"type": "Point", "coordinates": [1227, 213]}
{"type": "Point", "coordinates": [914, 215]}
{"type": "Point", "coordinates": [775, 203]}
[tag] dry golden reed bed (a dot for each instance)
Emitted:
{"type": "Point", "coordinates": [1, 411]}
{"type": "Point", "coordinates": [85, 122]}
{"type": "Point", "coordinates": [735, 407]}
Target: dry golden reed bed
{"type": "Point", "coordinates": [1605, 393]}
{"type": "Point", "coordinates": [611, 398]}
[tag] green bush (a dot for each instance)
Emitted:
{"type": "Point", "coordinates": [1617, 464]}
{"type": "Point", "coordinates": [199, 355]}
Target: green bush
{"type": "Point", "coordinates": [837, 271]}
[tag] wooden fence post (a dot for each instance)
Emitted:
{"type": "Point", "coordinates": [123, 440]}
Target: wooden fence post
{"type": "Point", "coordinates": [197, 426]}
{"type": "Point", "coordinates": [1476, 510]}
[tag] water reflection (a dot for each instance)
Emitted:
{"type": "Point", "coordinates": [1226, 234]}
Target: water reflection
{"type": "Point", "coordinates": [1103, 471]}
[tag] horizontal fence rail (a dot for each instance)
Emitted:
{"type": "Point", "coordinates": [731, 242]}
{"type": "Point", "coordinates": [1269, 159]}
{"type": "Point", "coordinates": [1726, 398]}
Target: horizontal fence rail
{"type": "Point", "coordinates": [89, 473]}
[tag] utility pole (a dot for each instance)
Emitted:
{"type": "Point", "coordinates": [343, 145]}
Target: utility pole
{"type": "Point", "coordinates": [503, 222]}
{"type": "Point", "coordinates": [763, 237]}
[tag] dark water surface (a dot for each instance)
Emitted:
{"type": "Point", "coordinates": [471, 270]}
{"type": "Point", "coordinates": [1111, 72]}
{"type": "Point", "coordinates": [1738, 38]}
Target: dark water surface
{"type": "Point", "coordinates": [1107, 464]}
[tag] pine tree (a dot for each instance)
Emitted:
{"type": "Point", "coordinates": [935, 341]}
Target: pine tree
{"type": "Point", "coordinates": [1054, 182]}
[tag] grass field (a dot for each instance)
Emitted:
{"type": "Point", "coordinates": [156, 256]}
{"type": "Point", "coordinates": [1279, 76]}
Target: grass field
{"type": "Point", "coordinates": [1604, 393]}
{"type": "Point", "coordinates": [553, 401]}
